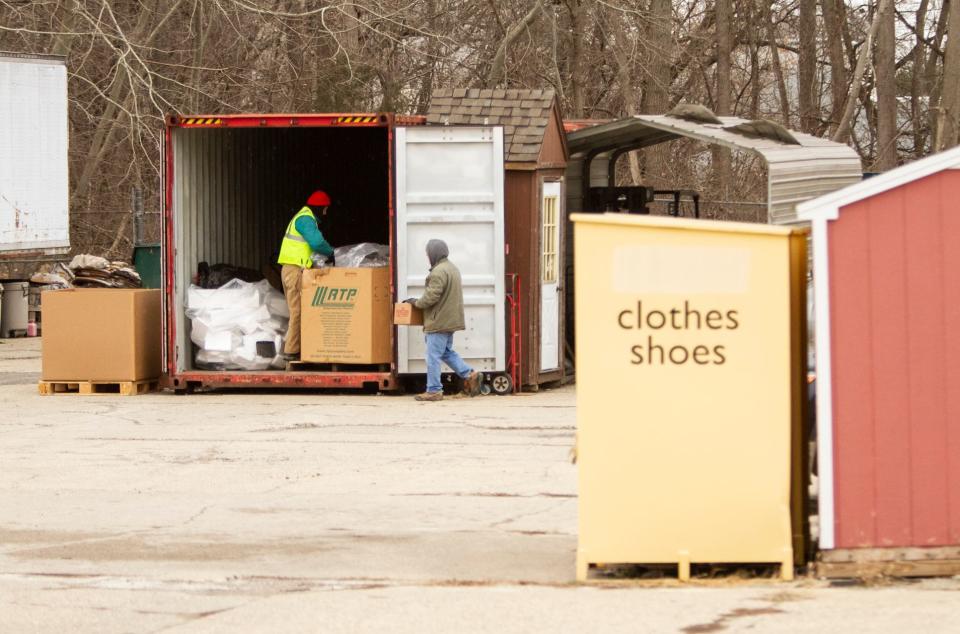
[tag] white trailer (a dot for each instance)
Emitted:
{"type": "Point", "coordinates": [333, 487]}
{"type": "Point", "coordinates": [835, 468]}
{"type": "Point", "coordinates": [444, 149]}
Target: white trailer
{"type": "Point", "coordinates": [34, 185]}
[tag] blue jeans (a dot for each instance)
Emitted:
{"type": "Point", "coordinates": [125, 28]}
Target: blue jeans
{"type": "Point", "coordinates": [440, 348]}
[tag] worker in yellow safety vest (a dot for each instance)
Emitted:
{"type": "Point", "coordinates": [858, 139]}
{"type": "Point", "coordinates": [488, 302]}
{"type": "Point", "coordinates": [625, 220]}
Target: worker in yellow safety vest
{"type": "Point", "coordinates": [301, 240]}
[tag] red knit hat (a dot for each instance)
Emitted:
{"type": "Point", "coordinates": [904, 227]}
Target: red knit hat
{"type": "Point", "coordinates": [318, 198]}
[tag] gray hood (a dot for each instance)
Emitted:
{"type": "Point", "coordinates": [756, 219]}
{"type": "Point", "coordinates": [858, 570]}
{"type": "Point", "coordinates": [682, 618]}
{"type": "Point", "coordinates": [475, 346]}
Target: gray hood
{"type": "Point", "coordinates": [436, 251]}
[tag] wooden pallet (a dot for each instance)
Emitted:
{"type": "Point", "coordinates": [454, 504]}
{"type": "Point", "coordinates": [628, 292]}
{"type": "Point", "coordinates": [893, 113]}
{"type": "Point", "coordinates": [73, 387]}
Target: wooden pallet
{"type": "Point", "coordinates": [87, 388]}
{"type": "Point", "coordinates": [870, 563]}
{"type": "Point", "coordinates": [683, 568]}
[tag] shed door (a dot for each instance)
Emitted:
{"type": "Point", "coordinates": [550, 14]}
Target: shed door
{"type": "Point", "coordinates": [450, 187]}
{"type": "Point", "coordinates": [550, 278]}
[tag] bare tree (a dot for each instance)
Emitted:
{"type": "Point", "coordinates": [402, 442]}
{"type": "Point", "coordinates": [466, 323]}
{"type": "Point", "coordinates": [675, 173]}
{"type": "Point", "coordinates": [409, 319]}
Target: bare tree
{"type": "Point", "coordinates": [886, 81]}
{"type": "Point", "coordinates": [933, 72]}
{"type": "Point", "coordinates": [807, 65]}
{"type": "Point", "coordinates": [916, 63]}
{"type": "Point", "coordinates": [497, 67]}
{"type": "Point", "coordinates": [657, 80]}
{"type": "Point", "coordinates": [575, 10]}
{"type": "Point", "coordinates": [752, 15]}
{"type": "Point", "coordinates": [777, 66]}
{"type": "Point", "coordinates": [843, 128]}
{"type": "Point", "coordinates": [724, 88]}
{"type": "Point", "coordinates": [133, 61]}
{"type": "Point", "coordinates": [949, 127]}
{"type": "Point", "coordinates": [833, 19]}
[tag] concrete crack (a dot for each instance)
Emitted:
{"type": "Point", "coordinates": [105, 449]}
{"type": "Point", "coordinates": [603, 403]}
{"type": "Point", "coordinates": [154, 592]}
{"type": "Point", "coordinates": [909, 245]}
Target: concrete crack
{"type": "Point", "coordinates": [515, 518]}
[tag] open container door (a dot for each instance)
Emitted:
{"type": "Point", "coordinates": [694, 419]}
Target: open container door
{"type": "Point", "coordinates": [449, 185]}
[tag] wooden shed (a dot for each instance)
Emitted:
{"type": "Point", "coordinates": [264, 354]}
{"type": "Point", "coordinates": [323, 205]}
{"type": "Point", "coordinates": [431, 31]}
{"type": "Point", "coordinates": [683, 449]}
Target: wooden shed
{"type": "Point", "coordinates": [887, 319]}
{"type": "Point", "coordinates": [535, 192]}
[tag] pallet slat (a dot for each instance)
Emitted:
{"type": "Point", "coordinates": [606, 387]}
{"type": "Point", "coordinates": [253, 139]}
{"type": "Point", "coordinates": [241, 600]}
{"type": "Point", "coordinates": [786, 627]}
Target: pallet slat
{"type": "Point", "coordinates": [852, 563]}
{"type": "Point", "coordinates": [684, 566]}
{"type": "Point", "coordinates": [861, 555]}
{"type": "Point", "coordinates": [873, 569]}
{"type": "Point", "coordinates": [88, 388]}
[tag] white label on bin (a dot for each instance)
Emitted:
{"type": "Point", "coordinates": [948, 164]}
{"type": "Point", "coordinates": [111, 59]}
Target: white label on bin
{"type": "Point", "coordinates": [681, 269]}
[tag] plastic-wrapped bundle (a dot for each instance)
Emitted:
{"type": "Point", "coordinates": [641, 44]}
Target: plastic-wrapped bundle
{"type": "Point", "coordinates": [239, 326]}
{"type": "Point", "coordinates": [363, 255]}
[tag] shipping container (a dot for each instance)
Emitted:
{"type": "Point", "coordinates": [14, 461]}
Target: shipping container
{"type": "Point", "coordinates": [34, 185]}
{"type": "Point", "coordinates": [234, 181]}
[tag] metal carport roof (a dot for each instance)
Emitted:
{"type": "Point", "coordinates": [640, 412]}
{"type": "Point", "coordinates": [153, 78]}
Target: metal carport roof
{"type": "Point", "coordinates": [796, 173]}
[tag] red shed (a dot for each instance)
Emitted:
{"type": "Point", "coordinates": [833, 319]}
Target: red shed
{"type": "Point", "coordinates": [887, 293]}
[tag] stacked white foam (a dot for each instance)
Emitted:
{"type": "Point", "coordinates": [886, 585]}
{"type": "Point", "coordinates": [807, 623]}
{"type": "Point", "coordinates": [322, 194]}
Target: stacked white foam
{"type": "Point", "coordinates": [228, 322]}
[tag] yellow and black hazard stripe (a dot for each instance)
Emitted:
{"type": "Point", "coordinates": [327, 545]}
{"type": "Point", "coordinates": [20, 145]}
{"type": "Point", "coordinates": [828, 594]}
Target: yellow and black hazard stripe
{"type": "Point", "coordinates": [202, 121]}
{"type": "Point", "coordinates": [356, 119]}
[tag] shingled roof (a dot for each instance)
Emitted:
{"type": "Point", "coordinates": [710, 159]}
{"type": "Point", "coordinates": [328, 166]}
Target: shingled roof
{"type": "Point", "coordinates": [524, 115]}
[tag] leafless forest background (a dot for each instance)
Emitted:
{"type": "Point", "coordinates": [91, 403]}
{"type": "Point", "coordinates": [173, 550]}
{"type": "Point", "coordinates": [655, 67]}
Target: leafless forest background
{"type": "Point", "coordinates": [881, 75]}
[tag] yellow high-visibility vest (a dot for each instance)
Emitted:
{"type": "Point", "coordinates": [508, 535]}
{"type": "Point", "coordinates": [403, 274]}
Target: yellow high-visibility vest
{"type": "Point", "coordinates": [294, 249]}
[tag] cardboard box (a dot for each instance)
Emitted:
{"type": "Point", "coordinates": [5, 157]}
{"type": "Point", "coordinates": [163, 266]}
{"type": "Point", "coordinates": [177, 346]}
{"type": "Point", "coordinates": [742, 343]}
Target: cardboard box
{"type": "Point", "coordinates": [345, 316]}
{"type": "Point", "coordinates": [94, 334]}
{"type": "Point", "coordinates": [405, 314]}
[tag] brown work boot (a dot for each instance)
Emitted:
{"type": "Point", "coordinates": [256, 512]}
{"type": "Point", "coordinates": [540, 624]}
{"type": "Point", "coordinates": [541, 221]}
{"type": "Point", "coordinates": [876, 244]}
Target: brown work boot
{"type": "Point", "coordinates": [429, 396]}
{"type": "Point", "coordinates": [471, 384]}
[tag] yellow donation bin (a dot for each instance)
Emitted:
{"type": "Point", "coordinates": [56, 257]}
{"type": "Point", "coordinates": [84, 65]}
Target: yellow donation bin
{"type": "Point", "coordinates": [690, 383]}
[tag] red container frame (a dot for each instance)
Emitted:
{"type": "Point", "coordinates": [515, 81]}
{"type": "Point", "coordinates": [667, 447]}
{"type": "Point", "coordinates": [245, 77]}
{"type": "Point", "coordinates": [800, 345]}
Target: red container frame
{"type": "Point", "coordinates": [191, 379]}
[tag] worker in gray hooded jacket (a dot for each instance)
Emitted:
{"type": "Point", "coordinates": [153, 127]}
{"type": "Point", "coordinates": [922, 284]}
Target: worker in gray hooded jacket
{"type": "Point", "coordinates": [442, 305]}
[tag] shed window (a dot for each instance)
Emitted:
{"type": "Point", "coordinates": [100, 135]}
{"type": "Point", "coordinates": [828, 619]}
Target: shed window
{"type": "Point", "coordinates": [548, 262]}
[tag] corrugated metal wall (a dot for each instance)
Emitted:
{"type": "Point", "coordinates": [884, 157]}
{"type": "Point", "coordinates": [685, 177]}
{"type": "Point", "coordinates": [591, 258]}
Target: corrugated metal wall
{"type": "Point", "coordinates": [895, 333]}
{"type": "Point", "coordinates": [797, 177]}
{"type": "Point", "coordinates": [235, 189]}
{"type": "Point", "coordinates": [225, 211]}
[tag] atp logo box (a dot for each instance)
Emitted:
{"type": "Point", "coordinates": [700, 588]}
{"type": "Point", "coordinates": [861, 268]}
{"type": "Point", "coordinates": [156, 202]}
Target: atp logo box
{"type": "Point", "coordinates": [346, 316]}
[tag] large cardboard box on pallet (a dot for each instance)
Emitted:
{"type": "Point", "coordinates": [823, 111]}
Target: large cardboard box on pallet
{"type": "Point", "coordinates": [346, 316]}
{"type": "Point", "coordinates": [101, 334]}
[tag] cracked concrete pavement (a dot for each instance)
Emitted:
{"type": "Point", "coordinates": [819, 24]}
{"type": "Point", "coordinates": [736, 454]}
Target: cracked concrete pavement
{"type": "Point", "coordinates": [340, 513]}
